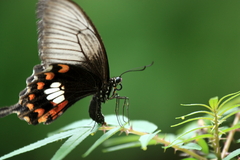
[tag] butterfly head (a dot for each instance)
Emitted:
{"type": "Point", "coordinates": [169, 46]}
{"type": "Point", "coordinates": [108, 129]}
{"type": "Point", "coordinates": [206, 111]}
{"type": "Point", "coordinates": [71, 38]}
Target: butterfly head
{"type": "Point", "coordinates": [117, 83]}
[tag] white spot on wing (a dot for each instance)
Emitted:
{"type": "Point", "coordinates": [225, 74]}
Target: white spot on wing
{"type": "Point", "coordinates": [55, 85]}
{"type": "Point", "coordinates": [49, 68]}
{"type": "Point", "coordinates": [59, 99]}
{"type": "Point", "coordinates": [51, 90]}
{"type": "Point", "coordinates": [55, 95]}
{"type": "Point", "coordinates": [55, 92]}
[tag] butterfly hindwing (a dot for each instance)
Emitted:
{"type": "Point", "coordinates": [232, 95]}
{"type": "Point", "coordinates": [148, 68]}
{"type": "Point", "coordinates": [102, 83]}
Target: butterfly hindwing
{"type": "Point", "coordinates": [53, 90]}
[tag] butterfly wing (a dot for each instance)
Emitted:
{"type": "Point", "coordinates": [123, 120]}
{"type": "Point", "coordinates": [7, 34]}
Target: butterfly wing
{"type": "Point", "coordinates": [74, 65]}
{"type": "Point", "coordinates": [67, 35]}
{"type": "Point", "coordinates": [51, 92]}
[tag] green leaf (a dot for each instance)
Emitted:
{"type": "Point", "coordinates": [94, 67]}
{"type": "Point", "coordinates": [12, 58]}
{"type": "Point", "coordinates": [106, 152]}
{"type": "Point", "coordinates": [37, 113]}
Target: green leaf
{"type": "Point", "coordinates": [40, 143]}
{"type": "Point", "coordinates": [229, 115]}
{"type": "Point", "coordinates": [116, 120]}
{"type": "Point", "coordinates": [232, 154]}
{"type": "Point", "coordinates": [191, 146]}
{"type": "Point", "coordinates": [211, 156]}
{"type": "Point", "coordinates": [192, 119]}
{"type": "Point", "coordinates": [204, 145]}
{"type": "Point", "coordinates": [233, 97]}
{"type": "Point", "coordinates": [213, 102]}
{"type": "Point", "coordinates": [179, 141]}
{"type": "Point", "coordinates": [193, 113]}
{"type": "Point", "coordinates": [120, 140]}
{"type": "Point", "coordinates": [85, 123]}
{"type": "Point", "coordinates": [101, 139]}
{"type": "Point", "coordinates": [142, 126]}
{"type": "Point", "coordinates": [123, 146]}
{"type": "Point", "coordinates": [203, 105]}
{"type": "Point", "coordinates": [73, 141]}
{"type": "Point", "coordinates": [238, 141]}
{"type": "Point", "coordinates": [146, 138]}
{"type": "Point", "coordinates": [188, 159]}
{"type": "Point", "coordinates": [237, 126]}
{"type": "Point", "coordinates": [228, 110]}
{"type": "Point", "coordinates": [167, 137]}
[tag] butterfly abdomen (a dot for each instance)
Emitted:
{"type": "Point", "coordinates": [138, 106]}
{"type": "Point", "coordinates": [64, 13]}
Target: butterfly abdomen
{"type": "Point", "coordinates": [9, 110]}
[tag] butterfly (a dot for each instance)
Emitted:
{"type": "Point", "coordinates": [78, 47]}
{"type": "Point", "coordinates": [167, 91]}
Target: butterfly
{"type": "Point", "coordinates": [74, 65]}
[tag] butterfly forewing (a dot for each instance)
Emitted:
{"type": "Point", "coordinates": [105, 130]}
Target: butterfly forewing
{"type": "Point", "coordinates": [67, 35]}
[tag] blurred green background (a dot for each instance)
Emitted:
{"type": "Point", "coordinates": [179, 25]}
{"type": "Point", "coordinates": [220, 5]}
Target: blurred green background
{"type": "Point", "coordinates": [195, 46]}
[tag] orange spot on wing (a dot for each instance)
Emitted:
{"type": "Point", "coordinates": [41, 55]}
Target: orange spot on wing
{"type": "Point", "coordinates": [58, 108]}
{"type": "Point", "coordinates": [30, 106]}
{"type": "Point", "coordinates": [63, 104]}
{"type": "Point", "coordinates": [54, 104]}
{"type": "Point", "coordinates": [54, 113]}
{"type": "Point", "coordinates": [65, 68]}
{"type": "Point", "coordinates": [31, 96]}
{"type": "Point", "coordinates": [54, 117]}
{"type": "Point", "coordinates": [27, 119]}
{"type": "Point", "coordinates": [40, 111]}
{"type": "Point", "coordinates": [49, 75]}
{"type": "Point", "coordinates": [40, 85]}
{"type": "Point", "coordinates": [43, 118]}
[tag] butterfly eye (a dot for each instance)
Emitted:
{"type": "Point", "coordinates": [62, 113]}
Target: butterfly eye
{"type": "Point", "coordinates": [118, 80]}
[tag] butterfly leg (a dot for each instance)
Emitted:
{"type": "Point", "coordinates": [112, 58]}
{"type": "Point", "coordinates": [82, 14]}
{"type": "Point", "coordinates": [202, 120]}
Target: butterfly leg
{"type": "Point", "coordinates": [125, 106]}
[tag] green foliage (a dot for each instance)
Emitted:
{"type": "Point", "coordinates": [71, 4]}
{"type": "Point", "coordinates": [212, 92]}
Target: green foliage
{"type": "Point", "coordinates": [200, 137]}
{"type": "Point", "coordinates": [207, 130]}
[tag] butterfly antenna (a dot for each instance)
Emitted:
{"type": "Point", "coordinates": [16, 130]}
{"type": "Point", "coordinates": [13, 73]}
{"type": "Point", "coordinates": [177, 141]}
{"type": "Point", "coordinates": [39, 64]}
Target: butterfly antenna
{"type": "Point", "coordinates": [137, 69]}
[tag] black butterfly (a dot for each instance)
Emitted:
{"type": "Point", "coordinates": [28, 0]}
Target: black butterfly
{"type": "Point", "coordinates": [73, 65]}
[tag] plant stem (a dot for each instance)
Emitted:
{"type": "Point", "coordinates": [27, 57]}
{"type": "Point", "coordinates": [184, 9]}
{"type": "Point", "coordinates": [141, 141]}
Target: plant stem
{"type": "Point", "coordinates": [230, 136]}
{"type": "Point", "coordinates": [216, 145]}
{"type": "Point", "coordinates": [166, 143]}
{"type": "Point", "coordinates": [162, 141]}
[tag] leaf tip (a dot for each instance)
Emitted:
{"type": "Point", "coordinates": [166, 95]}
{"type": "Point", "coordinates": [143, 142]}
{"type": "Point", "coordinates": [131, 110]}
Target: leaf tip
{"type": "Point", "coordinates": [144, 148]}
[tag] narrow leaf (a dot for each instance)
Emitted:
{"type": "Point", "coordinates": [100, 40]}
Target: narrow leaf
{"type": "Point", "coordinates": [228, 110]}
{"type": "Point", "coordinates": [203, 105]}
{"type": "Point", "coordinates": [232, 154]}
{"type": "Point", "coordinates": [146, 138]}
{"type": "Point", "coordinates": [101, 139]}
{"type": "Point", "coordinates": [192, 119]}
{"type": "Point", "coordinates": [237, 126]}
{"type": "Point", "coordinates": [188, 159]}
{"type": "Point", "coordinates": [142, 126]}
{"type": "Point", "coordinates": [116, 120]}
{"type": "Point", "coordinates": [39, 143]}
{"type": "Point", "coordinates": [120, 140]}
{"type": "Point", "coordinates": [213, 102]}
{"type": "Point", "coordinates": [204, 145]}
{"type": "Point", "coordinates": [191, 146]}
{"type": "Point", "coordinates": [193, 113]}
{"type": "Point", "coordinates": [122, 146]}
{"type": "Point", "coordinates": [72, 142]}
{"type": "Point", "coordinates": [232, 96]}
{"type": "Point", "coordinates": [179, 141]}
{"type": "Point", "coordinates": [85, 123]}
